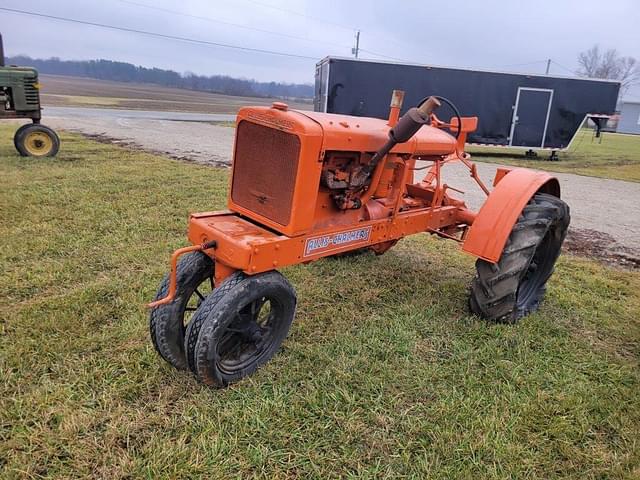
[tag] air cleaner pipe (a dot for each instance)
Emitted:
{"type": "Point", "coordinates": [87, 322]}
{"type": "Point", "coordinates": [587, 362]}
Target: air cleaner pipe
{"type": "Point", "coordinates": [403, 131]}
{"type": "Point", "coordinates": [397, 98]}
{"type": "Point", "coordinates": [466, 216]}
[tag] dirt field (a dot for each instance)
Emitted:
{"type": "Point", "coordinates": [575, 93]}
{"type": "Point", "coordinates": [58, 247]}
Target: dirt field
{"type": "Point", "coordinates": [66, 91]}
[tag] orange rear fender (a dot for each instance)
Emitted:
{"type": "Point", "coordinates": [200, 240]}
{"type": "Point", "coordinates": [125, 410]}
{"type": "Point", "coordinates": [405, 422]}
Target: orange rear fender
{"type": "Point", "coordinates": [495, 220]}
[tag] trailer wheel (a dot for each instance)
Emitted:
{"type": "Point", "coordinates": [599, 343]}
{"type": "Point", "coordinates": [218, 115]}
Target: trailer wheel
{"type": "Point", "coordinates": [240, 327]}
{"type": "Point", "coordinates": [167, 323]}
{"type": "Point", "coordinates": [515, 286]}
{"type": "Point", "coordinates": [36, 140]}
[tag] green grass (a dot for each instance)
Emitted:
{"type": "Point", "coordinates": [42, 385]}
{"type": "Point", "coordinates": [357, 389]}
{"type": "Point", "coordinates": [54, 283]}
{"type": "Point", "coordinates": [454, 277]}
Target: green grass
{"type": "Point", "coordinates": [384, 374]}
{"type": "Point", "coordinates": [618, 157]}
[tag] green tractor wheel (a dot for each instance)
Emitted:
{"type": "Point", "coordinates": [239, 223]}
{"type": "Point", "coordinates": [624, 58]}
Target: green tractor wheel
{"type": "Point", "coordinates": [36, 141]}
{"type": "Point", "coordinates": [18, 133]}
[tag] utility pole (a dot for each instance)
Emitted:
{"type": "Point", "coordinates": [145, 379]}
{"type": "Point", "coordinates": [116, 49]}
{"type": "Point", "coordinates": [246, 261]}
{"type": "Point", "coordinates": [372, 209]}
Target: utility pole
{"type": "Point", "coordinates": [356, 49]}
{"type": "Point", "coordinates": [548, 66]}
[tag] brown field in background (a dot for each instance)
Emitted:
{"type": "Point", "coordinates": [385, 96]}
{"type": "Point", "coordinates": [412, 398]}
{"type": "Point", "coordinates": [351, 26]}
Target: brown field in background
{"type": "Point", "coordinates": [63, 91]}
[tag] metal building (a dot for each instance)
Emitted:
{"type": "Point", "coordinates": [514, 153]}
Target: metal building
{"type": "Point", "coordinates": [629, 118]}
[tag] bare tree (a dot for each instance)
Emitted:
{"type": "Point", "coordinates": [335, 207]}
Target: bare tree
{"type": "Point", "coordinates": [609, 64]}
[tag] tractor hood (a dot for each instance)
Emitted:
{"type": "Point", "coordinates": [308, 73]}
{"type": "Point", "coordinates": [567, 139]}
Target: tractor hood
{"type": "Point", "coordinates": [347, 133]}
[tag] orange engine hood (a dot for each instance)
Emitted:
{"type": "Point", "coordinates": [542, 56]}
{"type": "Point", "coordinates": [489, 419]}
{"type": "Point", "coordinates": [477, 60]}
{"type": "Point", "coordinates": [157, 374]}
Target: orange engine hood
{"type": "Point", "coordinates": [349, 133]}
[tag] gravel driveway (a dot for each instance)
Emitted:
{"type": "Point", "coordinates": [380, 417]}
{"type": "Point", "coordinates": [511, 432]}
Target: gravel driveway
{"type": "Point", "coordinates": [197, 141]}
{"type": "Point", "coordinates": [605, 213]}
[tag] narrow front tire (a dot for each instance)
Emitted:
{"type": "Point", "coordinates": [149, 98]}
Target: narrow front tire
{"type": "Point", "coordinates": [241, 328]}
{"type": "Point", "coordinates": [168, 323]}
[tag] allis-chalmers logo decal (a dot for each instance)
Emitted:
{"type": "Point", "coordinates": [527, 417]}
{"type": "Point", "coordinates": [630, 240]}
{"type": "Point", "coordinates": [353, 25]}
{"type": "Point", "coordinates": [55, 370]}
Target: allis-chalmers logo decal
{"type": "Point", "coordinates": [270, 120]}
{"type": "Point", "coordinates": [335, 241]}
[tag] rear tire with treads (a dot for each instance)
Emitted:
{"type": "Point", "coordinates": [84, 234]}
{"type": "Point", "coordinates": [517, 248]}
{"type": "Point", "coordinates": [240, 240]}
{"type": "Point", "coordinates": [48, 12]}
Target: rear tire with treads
{"type": "Point", "coordinates": [514, 287]}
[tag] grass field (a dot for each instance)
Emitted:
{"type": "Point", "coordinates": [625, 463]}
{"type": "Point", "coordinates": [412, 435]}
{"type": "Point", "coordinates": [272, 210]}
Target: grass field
{"type": "Point", "coordinates": [617, 156]}
{"type": "Point", "coordinates": [384, 375]}
{"type": "Point", "coordinates": [66, 91]}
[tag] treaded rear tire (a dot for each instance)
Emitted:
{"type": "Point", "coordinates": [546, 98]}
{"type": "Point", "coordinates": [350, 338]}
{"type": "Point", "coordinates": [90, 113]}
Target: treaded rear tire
{"type": "Point", "coordinates": [514, 287]}
{"type": "Point", "coordinates": [166, 322]}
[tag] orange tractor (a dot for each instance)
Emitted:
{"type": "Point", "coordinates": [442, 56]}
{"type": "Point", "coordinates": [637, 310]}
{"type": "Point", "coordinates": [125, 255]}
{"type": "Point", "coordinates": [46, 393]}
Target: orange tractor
{"type": "Point", "coordinates": [309, 185]}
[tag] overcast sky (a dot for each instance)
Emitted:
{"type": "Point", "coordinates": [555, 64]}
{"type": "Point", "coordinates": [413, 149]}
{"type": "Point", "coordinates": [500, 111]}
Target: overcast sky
{"type": "Point", "coordinates": [508, 35]}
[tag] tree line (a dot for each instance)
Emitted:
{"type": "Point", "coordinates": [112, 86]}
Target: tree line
{"type": "Point", "coordinates": [127, 72]}
{"type": "Point", "coordinates": [597, 63]}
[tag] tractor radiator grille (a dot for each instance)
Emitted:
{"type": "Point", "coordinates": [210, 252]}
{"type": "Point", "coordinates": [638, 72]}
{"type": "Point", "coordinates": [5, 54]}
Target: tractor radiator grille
{"type": "Point", "coordinates": [264, 170]}
{"type": "Point", "coordinates": [31, 93]}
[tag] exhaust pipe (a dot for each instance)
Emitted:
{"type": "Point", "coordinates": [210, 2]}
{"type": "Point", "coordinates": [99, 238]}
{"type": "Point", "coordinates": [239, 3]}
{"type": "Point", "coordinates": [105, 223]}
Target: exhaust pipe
{"type": "Point", "coordinates": [402, 131]}
{"type": "Point", "coordinates": [407, 127]}
{"type": "Point", "coordinates": [1, 52]}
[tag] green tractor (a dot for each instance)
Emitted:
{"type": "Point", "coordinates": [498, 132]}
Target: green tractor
{"type": "Point", "coordinates": [20, 98]}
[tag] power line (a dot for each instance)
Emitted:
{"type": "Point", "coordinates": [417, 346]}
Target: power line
{"type": "Point", "coordinates": [155, 34]}
{"type": "Point", "coordinates": [386, 56]}
{"type": "Point", "coordinates": [131, 2]}
{"type": "Point", "coordinates": [223, 45]}
{"type": "Point", "coordinates": [562, 66]}
{"type": "Point", "coordinates": [321, 20]}
{"type": "Point", "coordinates": [521, 64]}
{"type": "Point", "coordinates": [215, 20]}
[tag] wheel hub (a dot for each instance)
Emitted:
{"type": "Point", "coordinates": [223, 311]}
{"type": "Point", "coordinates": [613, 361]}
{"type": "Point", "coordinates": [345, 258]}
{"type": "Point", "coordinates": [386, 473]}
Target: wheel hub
{"type": "Point", "coordinates": [247, 335]}
{"type": "Point", "coordinates": [38, 143]}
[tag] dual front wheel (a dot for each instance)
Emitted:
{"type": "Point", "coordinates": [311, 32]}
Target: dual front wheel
{"type": "Point", "coordinates": [35, 140]}
{"type": "Point", "coordinates": [227, 333]}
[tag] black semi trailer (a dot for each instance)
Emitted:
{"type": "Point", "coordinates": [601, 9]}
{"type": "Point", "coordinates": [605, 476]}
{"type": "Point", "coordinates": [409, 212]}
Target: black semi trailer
{"type": "Point", "coordinates": [514, 110]}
